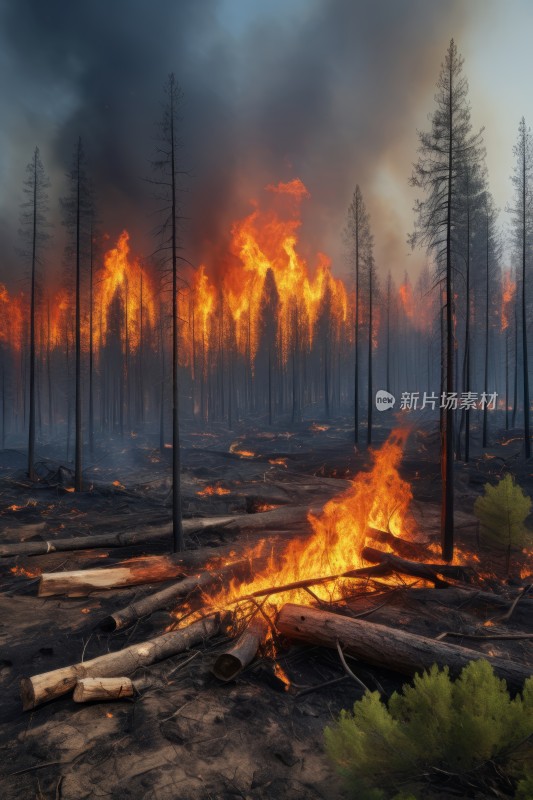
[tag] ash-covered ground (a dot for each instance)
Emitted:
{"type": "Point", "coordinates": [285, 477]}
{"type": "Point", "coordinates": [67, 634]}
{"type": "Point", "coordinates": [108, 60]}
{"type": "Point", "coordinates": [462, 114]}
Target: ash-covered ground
{"type": "Point", "coordinates": [186, 735]}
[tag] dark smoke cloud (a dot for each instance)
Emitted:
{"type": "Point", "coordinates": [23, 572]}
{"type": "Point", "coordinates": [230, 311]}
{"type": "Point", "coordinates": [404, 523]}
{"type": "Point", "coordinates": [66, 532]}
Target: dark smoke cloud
{"type": "Point", "coordinates": [324, 90]}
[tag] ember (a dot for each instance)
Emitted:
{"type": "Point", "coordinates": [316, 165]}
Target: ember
{"type": "Point", "coordinates": [26, 572]}
{"type": "Point", "coordinates": [209, 491]}
{"type": "Point", "coordinates": [234, 448]}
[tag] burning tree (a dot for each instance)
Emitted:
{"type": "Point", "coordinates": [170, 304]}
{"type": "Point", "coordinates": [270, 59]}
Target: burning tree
{"type": "Point", "coordinates": [444, 151]}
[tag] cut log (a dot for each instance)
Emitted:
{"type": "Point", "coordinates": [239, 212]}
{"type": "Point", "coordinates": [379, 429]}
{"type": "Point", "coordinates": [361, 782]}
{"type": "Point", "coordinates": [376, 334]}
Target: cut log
{"type": "Point", "coordinates": [232, 661]}
{"type": "Point", "coordinates": [135, 571]}
{"type": "Point", "coordinates": [88, 689]}
{"type": "Point", "coordinates": [49, 685]}
{"type": "Point", "coordinates": [417, 569]}
{"type": "Point", "coordinates": [382, 646]}
{"type": "Point", "coordinates": [123, 539]}
{"type": "Point", "coordinates": [167, 597]}
{"type": "Point", "coordinates": [149, 569]}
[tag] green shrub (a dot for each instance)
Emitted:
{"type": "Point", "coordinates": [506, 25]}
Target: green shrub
{"type": "Point", "coordinates": [502, 511]}
{"type": "Point", "coordinates": [436, 731]}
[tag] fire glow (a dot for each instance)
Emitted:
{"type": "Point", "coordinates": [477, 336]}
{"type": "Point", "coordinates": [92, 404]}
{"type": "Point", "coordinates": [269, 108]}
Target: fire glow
{"type": "Point", "coordinates": [263, 271]}
{"type": "Point", "coordinates": [209, 491]}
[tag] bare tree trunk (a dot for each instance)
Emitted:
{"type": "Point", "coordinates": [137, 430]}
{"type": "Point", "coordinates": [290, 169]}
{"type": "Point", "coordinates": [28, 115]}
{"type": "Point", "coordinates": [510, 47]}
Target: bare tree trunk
{"type": "Point", "coordinates": [179, 541]}
{"type": "Point", "coordinates": [91, 356]}
{"type": "Point", "coordinates": [507, 379]}
{"type": "Point", "coordinates": [447, 527]}
{"type": "Point", "coordinates": [49, 376]}
{"type": "Point", "coordinates": [356, 339]}
{"type": "Point", "coordinates": [370, 392]}
{"type": "Point", "coordinates": [78, 483]}
{"type": "Point", "coordinates": [525, 366]}
{"type": "Point", "coordinates": [486, 378]}
{"type": "Point", "coordinates": [31, 433]}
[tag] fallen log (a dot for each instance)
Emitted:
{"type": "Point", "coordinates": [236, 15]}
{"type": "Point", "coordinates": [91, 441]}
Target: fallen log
{"type": "Point", "coordinates": [279, 518]}
{"type": "Point", "coordinates": [80, 582]}
{"type": "Point", "coordinates": [149, 569]}
{"type": "Point", "coordinates": [382, 646]}
{"type": "Point", "coordinates": [49, 685]}
{"type": "Point", "coordinates": [88, 689]}
{"type": "Point", "coordinates": [167, 597]}
{"type": "Point", "coordinates": [134, 571]}
{"type": "Point", "coordinates": [123, 539]}
{"type": "Point", "coordinates": [418, 569]}
{"type": "Point", "coordinates": [236, 658]}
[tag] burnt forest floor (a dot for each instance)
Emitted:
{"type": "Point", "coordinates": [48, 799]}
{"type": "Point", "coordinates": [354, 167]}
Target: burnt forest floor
{"type": "Point", "coordinates": [186, 735]}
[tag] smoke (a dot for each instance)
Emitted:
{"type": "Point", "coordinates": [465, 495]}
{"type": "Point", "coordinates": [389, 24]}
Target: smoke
{"type": "Point", "coordinates": [326, 91]}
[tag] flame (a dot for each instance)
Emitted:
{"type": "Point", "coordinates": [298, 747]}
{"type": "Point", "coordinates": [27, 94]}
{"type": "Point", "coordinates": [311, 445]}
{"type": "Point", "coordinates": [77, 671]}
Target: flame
{"type": "Point", "coordinates": [378, 498]}
{"type": "Point", "coordinates": [234, 448]}
{"type": "Point", "coordinates": [509, 289]}
{"type": "Point", "coordinates": [264, 275]}
{"type": "Point", "coordinates": [265, 507]}
{"type": "Point", "coordinates": [123, 283]}
{"type": "Point", "coordinates": [211, 490]}
{"type": "Point", "coordinates": [406, 297]}
{"type": "Point", "coordinates": [282, 676]}
{"type": "Point", "coordinates": [13, 316]}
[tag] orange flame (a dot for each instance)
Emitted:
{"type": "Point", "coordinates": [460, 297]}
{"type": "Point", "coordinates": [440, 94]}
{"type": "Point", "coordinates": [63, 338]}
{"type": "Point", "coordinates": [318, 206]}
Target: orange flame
{"type": "Point", "coordinates": [123, 283]}
{"type": "Point", "coordinates": [13, 315]}
{"type": "Point", "coordinates": [234, 448]}
{"type": "Point", "coordinates": [379, 498]}
{"type": "Point", "coordinates": [509, 289]}
{"type": "Point", "coordinates": [26, 572]}
{"type": "Point", "coordinates": [211, 490]}
{"type": "Point", "coordinates": [264, 243]}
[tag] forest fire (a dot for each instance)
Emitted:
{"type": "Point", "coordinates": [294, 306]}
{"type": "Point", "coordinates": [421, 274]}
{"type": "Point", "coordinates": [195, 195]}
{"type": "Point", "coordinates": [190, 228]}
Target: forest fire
{"type": "Point", "coordinates": [265, 291]}
{"type": "Point", "coordinates": [379, 498]}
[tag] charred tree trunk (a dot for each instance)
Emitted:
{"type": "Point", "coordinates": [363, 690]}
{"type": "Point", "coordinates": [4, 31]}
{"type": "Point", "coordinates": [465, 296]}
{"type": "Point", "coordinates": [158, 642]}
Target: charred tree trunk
{"type": "Point", "coordinates": [91, 344]}
{"type": "Point", "coordinates": [486, 368]}
{"type": "Point", "coordinates": [525, 366]}
{"type": "Point", "coordinates": [31, 432]}
{"type": "Point", "coordinates": [78, 482]}
{"type": "Point", "coordinates": [370, 324]}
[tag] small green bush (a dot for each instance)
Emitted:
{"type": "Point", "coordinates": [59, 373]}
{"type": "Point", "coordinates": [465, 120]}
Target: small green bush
{"type": "Point", "coordinates": [502, 511]}
{"type": "Point", "coordinates": [436, 731]}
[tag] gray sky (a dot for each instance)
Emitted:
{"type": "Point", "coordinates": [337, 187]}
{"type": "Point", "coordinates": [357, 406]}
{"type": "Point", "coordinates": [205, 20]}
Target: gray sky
{"type": "Point", "coordinates": [331, 91]}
